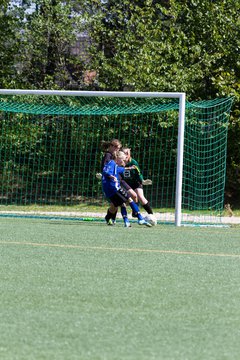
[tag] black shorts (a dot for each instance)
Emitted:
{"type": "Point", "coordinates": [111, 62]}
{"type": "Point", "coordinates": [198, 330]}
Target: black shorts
{"type": "Point", "coordinates": [138, 186]}
{"type": "Point", "coordinates": [120, 197]}
{"type": "Point", "coordinates": [125, 185]}
{"type": "Point", "coordinates": [135, 185]}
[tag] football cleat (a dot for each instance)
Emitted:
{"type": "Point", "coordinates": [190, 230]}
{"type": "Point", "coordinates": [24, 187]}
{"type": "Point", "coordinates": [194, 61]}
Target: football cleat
{"type": "Point", "coordinates": [144, 222]}
{"type": "Point", "coordinates": [151, 219]}
{"type": "Point", "coordinates": [127, 224]}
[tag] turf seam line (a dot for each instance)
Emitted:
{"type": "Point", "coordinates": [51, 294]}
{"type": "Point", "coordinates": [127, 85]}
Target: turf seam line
{"type": "Point", "coordinates": [176, 252]}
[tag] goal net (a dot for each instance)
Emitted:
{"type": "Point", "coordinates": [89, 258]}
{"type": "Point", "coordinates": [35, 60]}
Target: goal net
{"type": "Point", "coordinates": [51, 151]}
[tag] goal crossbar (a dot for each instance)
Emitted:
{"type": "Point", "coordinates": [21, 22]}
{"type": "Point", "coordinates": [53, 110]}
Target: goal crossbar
{"type": "Point", "coordinates": [91, 93]}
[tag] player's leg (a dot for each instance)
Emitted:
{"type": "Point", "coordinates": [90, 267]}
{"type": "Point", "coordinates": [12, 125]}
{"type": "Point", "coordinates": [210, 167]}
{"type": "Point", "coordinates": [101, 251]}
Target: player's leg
{"type": "Point", "coordinates": [130, 190]}
{"type": "Point", "coordinates": [131, 193]}
{"type": "Point", "coordinates": [143, 200]}
{"type": "Point", "coordinates": [111, 214]}
{"type": "Point", "coordinates": [119, 199]}
{"type": "Point", "coordinates": [125, 216]}
{"type": "Point", "coordinates": [136, 210]}
{"type": "Point", "coordinates": [133, 196]}
{"type": "Point", "coordinates": [113, 210]}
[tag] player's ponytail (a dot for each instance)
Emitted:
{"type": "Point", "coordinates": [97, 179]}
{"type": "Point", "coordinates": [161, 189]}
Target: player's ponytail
{"type": "Point", "coordinates": [105, 145]}
{"type": "Point", "coordinates": [114, 142]}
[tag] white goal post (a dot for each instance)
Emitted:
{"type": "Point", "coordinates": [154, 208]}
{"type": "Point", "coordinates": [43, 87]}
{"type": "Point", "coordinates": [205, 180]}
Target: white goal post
{"type": "Point", "coordinates": [181, 123]}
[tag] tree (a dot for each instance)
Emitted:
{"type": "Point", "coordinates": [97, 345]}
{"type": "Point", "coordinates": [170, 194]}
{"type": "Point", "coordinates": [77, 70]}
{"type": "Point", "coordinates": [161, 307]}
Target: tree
{"type": "Point", "coordinates": [48, 35]}
{"type": "Point", "coordinates": [10, 24]}
{"type": "Point", "coordinates": [175, 45]}
{"type": "Point", "coordinates": [165, 45]}
{"type": "Point", "coordinates": [139, 45]}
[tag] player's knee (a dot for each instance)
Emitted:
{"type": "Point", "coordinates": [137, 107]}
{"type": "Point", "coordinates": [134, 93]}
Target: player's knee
{"type": "Point", "coordinates": [135, 198]}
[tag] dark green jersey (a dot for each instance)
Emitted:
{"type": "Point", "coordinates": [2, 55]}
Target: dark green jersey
{"type": "Point", "coordinates": [133, 177]}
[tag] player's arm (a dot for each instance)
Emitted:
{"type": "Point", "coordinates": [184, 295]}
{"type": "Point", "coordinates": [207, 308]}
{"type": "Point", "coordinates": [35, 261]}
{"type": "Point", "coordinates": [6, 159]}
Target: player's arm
{"type": "Point", "coordinates": [137, 167]}
{"type": "Point", "coordinates": [144, 182]}
{"type": "Point", "coordinates": [111, 171]}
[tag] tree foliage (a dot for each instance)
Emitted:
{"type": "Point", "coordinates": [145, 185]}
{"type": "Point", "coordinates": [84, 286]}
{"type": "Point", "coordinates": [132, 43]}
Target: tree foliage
{"type": "Point", "coordinates": [190, 46]}
{"type": "Point", "coordinates": [49, 33]}
{"type": "Point", "coordinates": [140, 45]}
{"type": "Point", "coordinates": [9, 42]}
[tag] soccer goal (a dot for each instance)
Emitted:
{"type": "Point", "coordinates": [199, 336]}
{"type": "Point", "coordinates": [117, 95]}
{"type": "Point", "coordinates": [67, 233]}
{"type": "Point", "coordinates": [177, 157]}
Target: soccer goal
{"type": "Point", "coordinates": [51, 150]}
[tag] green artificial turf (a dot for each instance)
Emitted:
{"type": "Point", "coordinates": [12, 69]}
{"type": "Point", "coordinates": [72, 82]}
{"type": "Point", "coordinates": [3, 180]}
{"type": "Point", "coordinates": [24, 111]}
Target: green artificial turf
{"type": "Point", "coordinates": [79, 290]}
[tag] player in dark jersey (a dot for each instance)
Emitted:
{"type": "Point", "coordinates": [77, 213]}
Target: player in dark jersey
{"type": "Point", "coordinates": [109, 147]}
{"type": "Point", "coordinates": [116, 194]}
{"type": "Point", "coordinates": [134, 178]}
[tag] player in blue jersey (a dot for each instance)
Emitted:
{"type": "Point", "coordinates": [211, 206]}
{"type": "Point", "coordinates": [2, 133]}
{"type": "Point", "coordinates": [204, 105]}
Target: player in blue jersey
{"type": "Point", "coordinates": [109, 148]}
{"type": "Point", "coordinates": [113, 190]}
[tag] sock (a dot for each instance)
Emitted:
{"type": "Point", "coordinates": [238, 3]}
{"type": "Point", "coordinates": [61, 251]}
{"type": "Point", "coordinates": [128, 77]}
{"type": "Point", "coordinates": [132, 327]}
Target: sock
{"type": "Point", "coordinates": [134, 213]}
{"type": "Point", "coordinates": [108, 216]}
{"type": "Point", "coordinates": [148, 208]}
{"type": "Point", "coordinates": [135, 209]}
{"type": "Point", "coordinates": [124, 213]}
{"type": "Point", "coordinates": [114, 216]}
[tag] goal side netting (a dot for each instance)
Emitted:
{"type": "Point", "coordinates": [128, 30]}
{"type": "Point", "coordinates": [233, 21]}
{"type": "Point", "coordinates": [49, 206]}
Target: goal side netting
{"type": "Point", "coordinates": [51, 152]}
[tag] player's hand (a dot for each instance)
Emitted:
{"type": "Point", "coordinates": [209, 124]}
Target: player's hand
{"type": "Point", "coordinates": [99, 176]}
{"type": "Point", "coordinates": [113, 178]}
{"type": "Point", "coordinates": [147, 182]}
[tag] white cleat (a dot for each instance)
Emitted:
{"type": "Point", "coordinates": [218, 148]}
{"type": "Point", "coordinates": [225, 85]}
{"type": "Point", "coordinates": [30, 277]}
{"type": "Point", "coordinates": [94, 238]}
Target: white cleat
{"type": "Point", "coordinates": [127, 224]}
{"type": "Point", "coordinates": [144, 222]}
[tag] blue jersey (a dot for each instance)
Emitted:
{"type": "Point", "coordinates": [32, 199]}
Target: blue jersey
{"type": "Point", "coordinates": [110, 187]}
